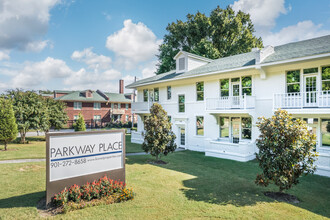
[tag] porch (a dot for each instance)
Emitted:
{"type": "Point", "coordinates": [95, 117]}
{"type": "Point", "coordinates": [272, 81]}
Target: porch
{"type": "Point", "coordinates": [233, 103]}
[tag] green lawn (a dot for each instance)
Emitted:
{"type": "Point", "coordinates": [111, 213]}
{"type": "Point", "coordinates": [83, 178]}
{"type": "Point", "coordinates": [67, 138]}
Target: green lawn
{"type": "Point", "coordinates": [36, 148]}
{"type": "Point", "coordinates": [190, 186]}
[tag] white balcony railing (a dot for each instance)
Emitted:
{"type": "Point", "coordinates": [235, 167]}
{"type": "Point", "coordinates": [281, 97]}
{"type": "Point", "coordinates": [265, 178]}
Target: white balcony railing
{"type": "Point", "coordinates": [302, 100]}
{"type": "Point", "coordinates": [141, 106]}
{"type": "Point", "coordinates": [230, 102]}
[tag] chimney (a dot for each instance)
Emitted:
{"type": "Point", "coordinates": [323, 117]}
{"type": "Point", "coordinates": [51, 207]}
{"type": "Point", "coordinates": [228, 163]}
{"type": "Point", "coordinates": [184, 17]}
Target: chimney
{"type": "Point", "coordinates": [121, 86]}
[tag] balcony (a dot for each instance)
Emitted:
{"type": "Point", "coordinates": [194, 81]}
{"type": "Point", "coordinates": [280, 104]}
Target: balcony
{"type": "Point", "coordinates": [118, 111]}
{"type": "Point", "coordinates": [239, 104]}
{"type": "Point", "coordinates": [141, 107]}
{"type": "Point", "coordinates": [303, 100]}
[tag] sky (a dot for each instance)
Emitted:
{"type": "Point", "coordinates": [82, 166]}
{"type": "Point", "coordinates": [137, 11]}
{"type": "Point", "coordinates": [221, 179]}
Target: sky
{"type": "Point", "coordinates": [83, 44]}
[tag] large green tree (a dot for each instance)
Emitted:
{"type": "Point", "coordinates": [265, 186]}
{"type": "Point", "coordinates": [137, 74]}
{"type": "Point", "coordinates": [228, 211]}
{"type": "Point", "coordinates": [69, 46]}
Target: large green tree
{"type": "Point", "coordinates": [56, 113]}
{"type": "Point", "coordinates": [285, 150]}
{"type": "Point", "coordinates": [30, 111]}
{"type": "Point", "coordinates": [158, 137]}
{"type": "Point", "coordinates": [224, 33]}
{"type": "Point", "coordinates": [8, 127]}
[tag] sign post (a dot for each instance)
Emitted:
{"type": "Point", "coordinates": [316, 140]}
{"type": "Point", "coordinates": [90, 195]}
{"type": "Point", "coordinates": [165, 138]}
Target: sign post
{"type": "Point", "coordinates": [80, 157]}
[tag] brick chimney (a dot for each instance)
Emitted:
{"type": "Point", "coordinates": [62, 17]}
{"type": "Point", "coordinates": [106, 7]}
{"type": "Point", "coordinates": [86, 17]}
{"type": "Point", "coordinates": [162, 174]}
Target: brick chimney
{"type": "Point", "coordinates": [121, 86]}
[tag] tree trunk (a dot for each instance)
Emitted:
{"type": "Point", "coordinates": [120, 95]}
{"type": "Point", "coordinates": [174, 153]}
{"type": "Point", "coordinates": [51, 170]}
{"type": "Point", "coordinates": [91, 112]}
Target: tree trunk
{"type": "Point", "coordinates": [157, 157]}
{"type": "Point", "coordinates": [22, 137]}
{"type": "Point", "coordinates": [5, 145]}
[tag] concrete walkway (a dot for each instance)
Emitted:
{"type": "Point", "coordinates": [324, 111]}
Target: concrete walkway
{"type": "Point", "coordinates": [40, 160]}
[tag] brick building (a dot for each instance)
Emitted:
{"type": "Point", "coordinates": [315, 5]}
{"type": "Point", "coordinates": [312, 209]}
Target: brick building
{"type": "Point", "coordinates": [97, 107]}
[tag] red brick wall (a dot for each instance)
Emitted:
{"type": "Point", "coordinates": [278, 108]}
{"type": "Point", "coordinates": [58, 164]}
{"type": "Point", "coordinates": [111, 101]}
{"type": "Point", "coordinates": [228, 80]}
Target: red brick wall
{"type": "Point", "coordinates": [88, 111]}
{"type": "Point", "coordinates": [60, 95]}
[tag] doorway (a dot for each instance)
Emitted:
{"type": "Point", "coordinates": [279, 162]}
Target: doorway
{"type": "Point", "coordinates": [311, 90]}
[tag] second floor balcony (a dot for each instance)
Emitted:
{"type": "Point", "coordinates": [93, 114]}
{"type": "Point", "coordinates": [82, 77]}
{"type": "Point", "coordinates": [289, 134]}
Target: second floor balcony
{"type": "Point", "coordinates": [226, 103]}
{"type": "Point", "coordinates": [302, 100]}
{"type": "Point", "coordinates": [141, 107]}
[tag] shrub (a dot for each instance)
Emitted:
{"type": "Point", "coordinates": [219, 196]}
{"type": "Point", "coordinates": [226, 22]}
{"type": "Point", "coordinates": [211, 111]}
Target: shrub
{"type": "Point", "coordinates": [285, 150]}
{"type": "Point", "coordinates": [159, 137]}
{"type": "Point", "coordinates": [8, 127]}
{"type": "Point", "coordinates": [80, 124]}
{"type": "Point", "coordinates": [105, 188]}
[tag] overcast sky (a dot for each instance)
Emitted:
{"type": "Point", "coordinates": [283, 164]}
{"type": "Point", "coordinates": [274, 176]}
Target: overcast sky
{"type": "Point", "coordinates": [83, 44]}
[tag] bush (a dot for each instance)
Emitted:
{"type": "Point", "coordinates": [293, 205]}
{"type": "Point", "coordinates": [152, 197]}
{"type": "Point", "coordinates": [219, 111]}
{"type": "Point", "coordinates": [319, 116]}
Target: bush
{"type": "Point", "coordinates": [285, 150]}
{"type": "Point", "coordinates": [106, 189]}
{"type": "Point", "coordinates": [80, 124]}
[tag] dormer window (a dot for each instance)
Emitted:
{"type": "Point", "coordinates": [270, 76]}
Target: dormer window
{"type": "Point", "coordinates": [181, 63]}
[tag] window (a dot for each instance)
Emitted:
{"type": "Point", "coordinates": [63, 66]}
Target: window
{"type": "Point", "coordinates": [200, 125]}
{"type": "Point", "coordinates": [181, 103]}
{"type": "Point", "coordinates": [119, 105]}
{"type": "Point", "coordinates": [235, 80]}
{"type": "Point", "coordinates": [126, 106]}
{"type": "Point", "coordinates": [181, 63]}
{"type": "Point", "coordinates": [169, 92]}
{"type": "Point", "coordinates": [224, 87]}
{"type": "Point", "coordinates": [97, 106]}
{"type": "Point", "coordinates": [293, 81]}
{"type": "Point", "coordinates": [145, 95]}
{"type": "Point", "coordinates": [77, 105]}
{"type": "Point", "coordinates": [156, 94]}
{"type": "Point", "coordinates": [75, 117]}
{"type": "Point", "coordinates": [326, 78]}
{"type": "Point", "coordinates": [247, 85]}
{"type": "Point", "coordinates": [200, 91]}
{"type": "Point", "coordinates": [311, 70]}
{"type": "Point", "coordinates": [224, 127]}
{"type": "Point", "coordinates": [325, 131]}
{"type": "Point", "coordinates": [246, 128]}
{"type": "Point", "coordinates": [97, 117]}
{"type": "Point", "coordinates": [115, 105]}
{"type": "Point", "coordinates": [169, 118]}
{"type": "Point", "coordinates": [126, 117]}
{"type": "Point", "coordinates": [112, 105]}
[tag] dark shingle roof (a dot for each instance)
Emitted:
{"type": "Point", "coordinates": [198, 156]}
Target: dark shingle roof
{"type": "Point", "coordinates": [298, 49]}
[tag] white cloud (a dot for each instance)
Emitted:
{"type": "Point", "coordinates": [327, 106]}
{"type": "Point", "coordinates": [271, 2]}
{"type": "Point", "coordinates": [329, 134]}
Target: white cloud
{"type": "Point", "coordinates": [4, 55]}
{"type": "Point", "coordinates": [263, 12]}
{"type": "Point", "coordinates": [93, 60]}
{"type": "Point", "coordinates": [35, 74]}
{"type": "Point", "coordinates": [37, 46]}
{"type": "Point", "coordinates": [22, 22]}
{"type": "Point", "coordinates": [133, 44]}
{"type": "Point", "coordinates": [149, 70]}
{"type": "Point", "coordinates": [83, 79]}
{"type": "Point", "coordinates": [301, 31]}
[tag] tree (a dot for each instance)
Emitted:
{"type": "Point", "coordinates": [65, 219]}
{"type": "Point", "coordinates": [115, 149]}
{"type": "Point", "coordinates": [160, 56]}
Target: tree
{"type": "Point", "coordinates": [80, 124]}
{"type": "Point", "coordinates": [30, 111]}
{"type": "Point", "coordinates": [57, 113]}
{"type": "Point", "coordinates": [285, 150]}
{"type": "Point", "coordinates": [222, 34]}
{"type": "Point", "coordinates": [158, 138]}
{"type": "Point", "coordinates": [8, 127]}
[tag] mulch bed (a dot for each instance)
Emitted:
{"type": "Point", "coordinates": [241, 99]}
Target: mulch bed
{"type": "Point", "coordinates": [283, 197]}
{"type": "Point", "coordinates": [157, 162]}
{"type": "Point", "coordinates": [46, 212]}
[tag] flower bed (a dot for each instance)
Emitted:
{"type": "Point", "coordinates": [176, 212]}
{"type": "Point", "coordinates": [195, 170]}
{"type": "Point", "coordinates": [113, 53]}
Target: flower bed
{"type": "Point", "coordinates": [103, 191]}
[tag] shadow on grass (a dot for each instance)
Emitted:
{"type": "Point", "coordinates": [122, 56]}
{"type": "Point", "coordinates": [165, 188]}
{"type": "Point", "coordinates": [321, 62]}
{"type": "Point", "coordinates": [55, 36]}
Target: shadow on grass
{"type": "Point", "coordinates": [27, 200]}
{"type": "Point", "coordinates": [223, 182]}
{"type": "Point", "coordinates": [29, 139]}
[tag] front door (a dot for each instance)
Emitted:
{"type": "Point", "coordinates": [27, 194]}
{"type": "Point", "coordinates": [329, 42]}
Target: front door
{"type": "Point", "coordinates": [311, 91]}
{"type": "Point", "coordinates": [235, 96]}
{"type": "Point", "coordinates": [182, 137]}
{"type": "Point", "coordinates": [235, 124]}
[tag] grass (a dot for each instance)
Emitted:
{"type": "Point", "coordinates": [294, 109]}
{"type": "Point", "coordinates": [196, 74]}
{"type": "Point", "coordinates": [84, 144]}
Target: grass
{"type": "Point", "coordinates": [190, 186]}
{"type": "Point", "coordinates": [36, 148]}
{"type": "Point", "coordinates": [326, 139]}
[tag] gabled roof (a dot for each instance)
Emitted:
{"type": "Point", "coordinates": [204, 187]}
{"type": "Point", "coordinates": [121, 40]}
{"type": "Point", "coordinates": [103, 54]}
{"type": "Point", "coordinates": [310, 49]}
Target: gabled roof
{"type": "Point", "coordinates": [300, 49]}
{"type": "Point", "coordinates": [97, 97]}
{"type": "Point", "coordinates": [192, 55]}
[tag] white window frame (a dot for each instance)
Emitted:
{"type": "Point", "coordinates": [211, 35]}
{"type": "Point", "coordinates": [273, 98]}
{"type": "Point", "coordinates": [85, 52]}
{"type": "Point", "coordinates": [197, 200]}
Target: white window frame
{"type": "Point", "coordinates": [77, 105]}
{"type": "Point", "coordinates": [97, 106]}
{"type": "Point", "coordinates": [126, 106]}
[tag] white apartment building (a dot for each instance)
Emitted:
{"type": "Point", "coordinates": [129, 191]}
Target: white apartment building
{"type": "Point", "coordinates": [214, 104]}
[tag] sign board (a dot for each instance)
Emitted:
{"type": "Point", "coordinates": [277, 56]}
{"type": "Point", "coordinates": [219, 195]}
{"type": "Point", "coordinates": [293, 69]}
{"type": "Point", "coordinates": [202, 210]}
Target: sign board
{"type": "Point", "coordinates": [75, 158]}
